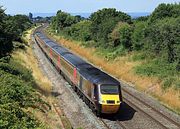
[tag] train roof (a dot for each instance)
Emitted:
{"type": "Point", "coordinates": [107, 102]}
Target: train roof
{"type": "Point", "coordinates": [39, 34]}
{"type": "Point", "coordinates": [47, 41]}
{"type": "Point", "coordinates": [73, 59]}
{"type": "Point", "coordinates": [60, 50]}
{"type": "Point", "coordinates": [51, 44]}
{"type": "Point", "coordinates": [97, 76]}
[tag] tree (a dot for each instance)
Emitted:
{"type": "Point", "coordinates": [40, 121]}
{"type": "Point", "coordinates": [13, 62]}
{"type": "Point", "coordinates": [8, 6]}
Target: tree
{"type": "Point", "coordinates": [104, 21]}
{"type": "Point", "coordinates": [138, 35]}
{"type": "Point", "coordinates": [17, 24]}
{"type": "Point", "coordinates": [163, 39]}
{"type": "Point", "coordinates": [62, 20]}
{"type": "Point", "coordinates": [80, 30]}
{"type": "Point", "coordinates": [121, 35]}
{"type": "Point", "coordinates": [6, 45]}
{"type": "Point", "coordinates": [30, 16]}
{"type": "Point", "coordinates": [164, 11]}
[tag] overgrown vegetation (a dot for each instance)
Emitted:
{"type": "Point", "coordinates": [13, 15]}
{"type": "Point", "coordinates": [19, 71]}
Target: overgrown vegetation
{"type": "Point", "coordinates": [16, 81]}
{"type": "Point", "coordinates": [17, 96]}
{"type": "Point", "coordinates": [11, 29]}
{"type": "Point", "coordinates": [114, 33]}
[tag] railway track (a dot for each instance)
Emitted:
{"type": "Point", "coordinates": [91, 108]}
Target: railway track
{"type": "Point", "coordinates": [122, 125]}
{"type": "Point", "coordinates": [105, 124]}
{"type": "Point", "coordinates": [59, 114]}
{"type": "Point", "coordinates": [140, 110]}
{"type": "Point", "coordinates": [110, 125]}
{"type": "Point", "coordinates": [150, 108]}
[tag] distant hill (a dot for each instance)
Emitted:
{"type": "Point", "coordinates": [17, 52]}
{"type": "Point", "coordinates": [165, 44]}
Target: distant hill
{"type": "Point", "coordinates": [138, 14]}
{"type": "Point", "coordinates": [86, 15]}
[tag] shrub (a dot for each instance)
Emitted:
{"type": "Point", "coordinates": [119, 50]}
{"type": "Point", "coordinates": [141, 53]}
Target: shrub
{"type": "Point", "coordinates": [79, 31]}
{"type": "Point", "coordinates": [165, 11]}
{"type": "Point", "coordinates": [17, 95]}
{"type": "Point", "coordinates": [121, 35]}
{"type": "Point", "coordinates": [161, 69]}
{"type": "Point", "coordinates": [104, 21]}
{"type": "Point", "coordinates": [138, 35]}
{"type": "Point", "coordinates": [16, 69]}
{"type": "Point", "coordinates": [163, 40]}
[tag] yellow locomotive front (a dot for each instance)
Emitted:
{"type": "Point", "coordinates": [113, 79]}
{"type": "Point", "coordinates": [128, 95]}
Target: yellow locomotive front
{"type": "Point", "coordinates": [109, 98]}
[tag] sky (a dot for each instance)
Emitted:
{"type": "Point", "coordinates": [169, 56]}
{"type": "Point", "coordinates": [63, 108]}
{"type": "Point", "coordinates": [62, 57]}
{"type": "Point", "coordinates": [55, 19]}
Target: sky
{"type": "Point", "coordinates": [79, 6]}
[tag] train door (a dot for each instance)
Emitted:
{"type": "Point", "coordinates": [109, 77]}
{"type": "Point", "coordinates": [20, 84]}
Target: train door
{"type": "Point", "coordinates": [96, 95]}
{"type": "Point", "coordinates": [81, 82]}
{"type": "Point", "coordinates": [92, 91]}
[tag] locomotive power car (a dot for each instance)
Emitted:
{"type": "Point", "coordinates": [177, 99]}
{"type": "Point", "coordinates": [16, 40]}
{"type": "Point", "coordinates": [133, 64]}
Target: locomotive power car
{"type": "Point", "coordinates": [100, 91]}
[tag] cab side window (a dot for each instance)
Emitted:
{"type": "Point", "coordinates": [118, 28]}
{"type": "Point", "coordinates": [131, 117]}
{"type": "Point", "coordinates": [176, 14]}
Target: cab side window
{"type": "Point", "coordinates": [95, 92]}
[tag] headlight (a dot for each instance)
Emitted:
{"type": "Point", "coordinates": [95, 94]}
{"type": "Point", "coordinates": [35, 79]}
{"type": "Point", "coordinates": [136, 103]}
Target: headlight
{"type": "Point", "coordinates": [103, 101]}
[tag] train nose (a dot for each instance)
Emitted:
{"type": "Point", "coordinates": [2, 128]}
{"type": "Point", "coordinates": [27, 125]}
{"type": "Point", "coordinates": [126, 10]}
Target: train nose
{"type": "Point", "coordinates": [109, 109]}
{"type": "Point", "coordinates": [110, 103]}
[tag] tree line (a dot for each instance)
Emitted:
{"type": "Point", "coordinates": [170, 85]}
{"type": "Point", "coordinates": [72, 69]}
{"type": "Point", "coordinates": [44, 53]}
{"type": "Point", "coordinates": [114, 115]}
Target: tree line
{"type": "Point", "coordinates": [11, 29]}
{"type": "Point", "coordinates": [157, 36]}
{"type": "Point", "coordinates": [17, 93]}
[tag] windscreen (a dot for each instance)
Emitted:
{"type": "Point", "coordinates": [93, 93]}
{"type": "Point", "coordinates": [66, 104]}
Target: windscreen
{"type": "Point", "coordinates": [109, 89]}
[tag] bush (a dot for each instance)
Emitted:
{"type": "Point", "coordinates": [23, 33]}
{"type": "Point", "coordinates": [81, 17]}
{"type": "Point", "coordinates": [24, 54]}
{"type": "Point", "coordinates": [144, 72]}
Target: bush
{"type": "Point", "coordinates": [18, 70]}
{"type": "Point", "coordinates": [6, 45]}
{"type": "Point", "coordinates": [62, 20]}
{"type": "Point", "coordinates": [121, 35]}
{"type": "Point", "coordinates": [18, 45]}
{"type": "Point", "coordinates": [104, 21]}
{"type": "Point", "coordinates": [161, 69]}
{"type": "Point", "coordinates": [11, 28]}
{"type": "Point", "coordinates": [79, 31]}
{"type": "Point", "coordinates": [118, 51]}
{"type": "Point", "coordinates": [139, 56]}
{"type": "Point", "coordinates": [163, 40]}
{"type": "Point", "coordinates": [138, 35]}
{"type": "Point", "coordinates": [17, 95]}
{"type": "Point", "coordinates": [165, 11]}
{"type": "Point", "coordinates": [13, 117]}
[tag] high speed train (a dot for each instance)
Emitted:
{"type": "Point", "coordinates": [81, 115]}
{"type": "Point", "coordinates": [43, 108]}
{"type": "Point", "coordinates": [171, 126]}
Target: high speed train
{"type": "Point", "coordinates": [100, 91]}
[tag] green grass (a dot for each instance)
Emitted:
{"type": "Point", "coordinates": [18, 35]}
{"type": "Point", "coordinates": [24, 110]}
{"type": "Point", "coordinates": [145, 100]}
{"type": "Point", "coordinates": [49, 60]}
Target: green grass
{"type": "Point", "coordinates": [111, 53]}
{"type": "Point", "coordinates": [139, 56]}
{"type": "Point", "coordinates": [166, 72]}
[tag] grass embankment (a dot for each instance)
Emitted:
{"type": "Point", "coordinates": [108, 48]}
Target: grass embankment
{"type": "Point", "coordinates": [123, 68]}
{"type": "Point", "coordinates": [50, 119]}
{"type": "Point", "coordinates": [28, 59]}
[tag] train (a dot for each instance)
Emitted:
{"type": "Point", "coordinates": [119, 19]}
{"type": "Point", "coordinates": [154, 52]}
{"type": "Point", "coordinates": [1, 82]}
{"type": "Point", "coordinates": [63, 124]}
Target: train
{"type": "Point", "coordinates": [100, 91]}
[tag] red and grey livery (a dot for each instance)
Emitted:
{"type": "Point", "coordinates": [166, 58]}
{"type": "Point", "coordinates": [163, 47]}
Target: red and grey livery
{"type": "Point", "coordinates": [101, 92]}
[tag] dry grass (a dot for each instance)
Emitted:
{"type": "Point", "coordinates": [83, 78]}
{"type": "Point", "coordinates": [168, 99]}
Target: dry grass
{"type": "Point", "coordinates": [27, 58]}
{"type": "Point", "coordinates": [50, 119]}
{"type": "Point", "coordinates": [30, 61]}
{"type": "Point", "coordinates": [122, 68]}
